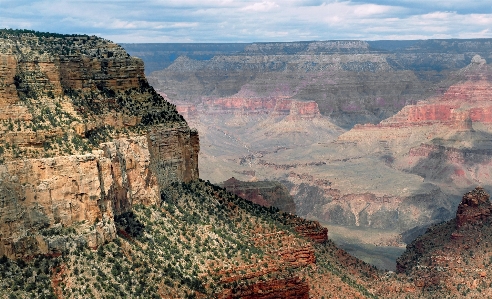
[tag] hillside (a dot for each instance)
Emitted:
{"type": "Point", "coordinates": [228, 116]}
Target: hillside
{"type": "Point", "coordinates": [198, 242]}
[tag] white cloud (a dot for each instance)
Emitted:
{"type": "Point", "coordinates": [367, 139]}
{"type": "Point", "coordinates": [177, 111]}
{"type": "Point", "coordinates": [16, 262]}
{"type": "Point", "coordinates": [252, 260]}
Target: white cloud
{"type": "Point", "coordinates": [252, 20]}
{"type": "Point", "coordinates": [261, 6]}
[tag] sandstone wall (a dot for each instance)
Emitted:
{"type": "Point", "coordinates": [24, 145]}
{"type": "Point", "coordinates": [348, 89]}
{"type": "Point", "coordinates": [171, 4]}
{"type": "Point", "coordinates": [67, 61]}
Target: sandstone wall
{"type": "Point", "coordinates": [79, 191]}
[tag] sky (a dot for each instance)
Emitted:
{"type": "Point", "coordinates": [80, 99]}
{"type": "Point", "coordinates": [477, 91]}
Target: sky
{"type": "Point", "coordinates": [183, 21]}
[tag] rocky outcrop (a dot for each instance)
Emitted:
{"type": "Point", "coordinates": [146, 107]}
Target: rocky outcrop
{"type": "Point", "coordinates": [285, 258]}
{"type": "Point", "coordinates": [311, 230]}
{"type": "Point", "coordinates": [474, 207]}
{"type": "Point", "coordinates": [452, 253]}
{"type": "Point", "coordinates": [58, 86]}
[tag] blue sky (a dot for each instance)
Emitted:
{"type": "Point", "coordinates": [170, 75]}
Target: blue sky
{"type": "Point", "coordinates": [252, 20]}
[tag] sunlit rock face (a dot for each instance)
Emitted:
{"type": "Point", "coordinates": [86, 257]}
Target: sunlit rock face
{"type": "Point", "coordinates": [83, 137]}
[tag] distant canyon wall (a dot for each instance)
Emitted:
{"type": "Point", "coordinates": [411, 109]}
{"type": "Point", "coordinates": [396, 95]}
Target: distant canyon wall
{"type": "Point", "coordinates": [353, 82]}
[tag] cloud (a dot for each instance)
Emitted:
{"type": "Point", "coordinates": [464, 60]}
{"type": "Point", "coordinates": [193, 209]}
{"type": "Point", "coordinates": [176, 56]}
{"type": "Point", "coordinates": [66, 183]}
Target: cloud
{"type": "Point", "coordinates": [252, 20]}
{"type": "Point", "coordinates": [261, 6]}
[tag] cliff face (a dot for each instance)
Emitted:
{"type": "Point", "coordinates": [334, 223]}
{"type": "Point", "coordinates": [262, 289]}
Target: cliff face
{"type": "Point", "coordinates": [173, 154]}
{"type": "Point", "coordinates": [83, 138]}
{"type": "Point", "coordinates": [85, 189]}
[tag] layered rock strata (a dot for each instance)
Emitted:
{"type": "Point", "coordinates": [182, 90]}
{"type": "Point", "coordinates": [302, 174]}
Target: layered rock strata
{"type": "Point", "coordinates": [83, 138]}
{"type": "Point", "coordinates": [287, 288]}
{"type": "Point", "coordinates": [353, 82]}
{"type": "Point", "coordinates": [84, 189]}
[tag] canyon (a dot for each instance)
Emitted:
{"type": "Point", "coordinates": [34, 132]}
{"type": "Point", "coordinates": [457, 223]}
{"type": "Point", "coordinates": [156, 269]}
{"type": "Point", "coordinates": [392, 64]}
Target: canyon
{"type": "Point", "coordinates": [102, 191]}
{"type": "Point", "coordinates": [380, 138]}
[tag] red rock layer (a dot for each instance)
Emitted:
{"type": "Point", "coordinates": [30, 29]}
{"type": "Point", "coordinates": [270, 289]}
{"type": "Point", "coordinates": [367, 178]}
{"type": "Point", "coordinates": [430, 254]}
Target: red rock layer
{"type": "Point", "coordinates": [246, 104]}
{"type": "Point", "coordinates": [309, 229]}
{"type": "Point", "coordinates": [187, 110]}
{"type": "Point", "coordinates": [292, 257]}
{"type": "Point", "coordinates": [460, 106]}
{"type": "Point", "coordinates": [313, 231]}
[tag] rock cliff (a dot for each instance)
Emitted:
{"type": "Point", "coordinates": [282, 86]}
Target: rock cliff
{"type": "Point", "coordinates": [83, 138]}
{"type": "Point", "coordinates": [85, 189]}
